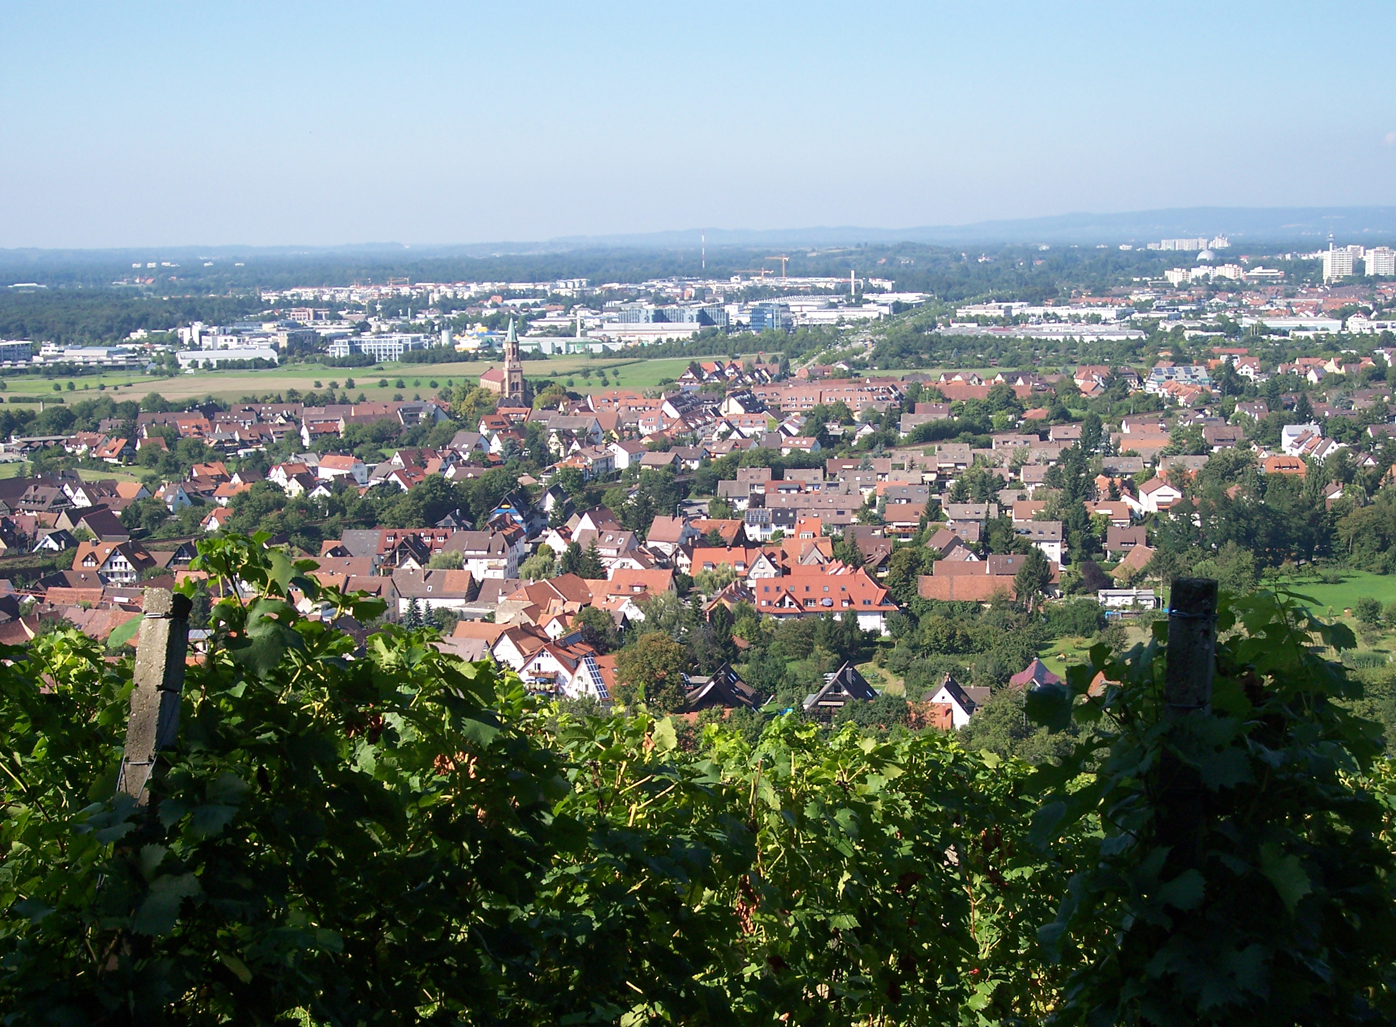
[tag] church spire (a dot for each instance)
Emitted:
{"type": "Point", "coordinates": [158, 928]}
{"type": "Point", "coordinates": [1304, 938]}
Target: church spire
{"type": "Point", "coordinates": [514, 385]}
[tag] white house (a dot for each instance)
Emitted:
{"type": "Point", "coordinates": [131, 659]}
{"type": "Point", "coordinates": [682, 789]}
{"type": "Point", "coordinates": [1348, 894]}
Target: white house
{"type": "Point", "coordinates": [336, 466]}
{"type": "Point", "coordinates": [1293, 437]}
{"type": "Point", "coordinates": [1045, 535]}
{"type": "Point", "coordinates": [569, 670]}
{"type": "Point", "coordinates": [173, 496]}
{"type": "Point", "coordinates": [487, 554]}
{"type": "Point", "coordinates": [1155, 495]}
{"type": "Point", "coordinates": [626, 452]}
{"type": "Point", "coordinates": [961, 700]}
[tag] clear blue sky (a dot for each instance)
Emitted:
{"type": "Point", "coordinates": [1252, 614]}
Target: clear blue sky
{"type": "Point", "coordinates": [325, 123]}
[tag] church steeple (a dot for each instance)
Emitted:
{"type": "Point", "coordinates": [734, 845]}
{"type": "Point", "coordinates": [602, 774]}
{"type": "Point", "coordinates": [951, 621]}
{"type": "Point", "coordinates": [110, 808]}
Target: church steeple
{"type": "Point", "coordinates": [514, 385]}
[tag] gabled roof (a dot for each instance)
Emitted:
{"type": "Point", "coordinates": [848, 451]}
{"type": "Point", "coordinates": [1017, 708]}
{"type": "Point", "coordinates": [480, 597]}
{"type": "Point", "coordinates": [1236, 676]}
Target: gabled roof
{"type": "Point", "coordinates": [1035, 673]}
{"type": "Point", "coordinates": [968, 699]}
{"type": "Point", "coordinates": [336, 462]}
{"type": "Point", "coordinates": [840, 687]}
{"type": "Point", "coordinates": [433, 584]}
{"type": "Point", "coordinates": [724, 687]}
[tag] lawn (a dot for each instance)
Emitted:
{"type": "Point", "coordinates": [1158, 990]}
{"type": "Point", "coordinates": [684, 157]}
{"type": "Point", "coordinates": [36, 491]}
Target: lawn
{"type": "Point", "coordinates": [114, 474]}
{"type": "Point", "coordinates": [12, 469]}
{"type": "Point", "coordinates": [1061, 653]}
{"type": "Point", "coordinates": [1334, 599]}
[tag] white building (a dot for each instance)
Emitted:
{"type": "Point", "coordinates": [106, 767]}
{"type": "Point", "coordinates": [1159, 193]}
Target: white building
{"type": "Point", "coordinates": [1380, 262]}
{"type": "Point", "coordinates": [193, 358]}
{"type": "Point", "coordinates": [1291, 434]}
{"type": "Point", "coordinates": [1045, 535]}
{"type": "Point", "coordinates": [90, 356]}
{"type": "Point", "coordinates": [1186, 245]}
{"type": "Point", "coordinates": [335, 466]}
{"type": "Point", "coordinates": [381, 347]}
{"type": "Point", "coordinates": [1155, 496]}
{"type": "Point", "coordinates": [1337, 263]}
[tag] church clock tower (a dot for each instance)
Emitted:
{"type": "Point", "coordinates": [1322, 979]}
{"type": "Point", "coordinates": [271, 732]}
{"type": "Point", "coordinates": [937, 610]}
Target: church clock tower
{"type": "Point", "coordinates": [514, 385]}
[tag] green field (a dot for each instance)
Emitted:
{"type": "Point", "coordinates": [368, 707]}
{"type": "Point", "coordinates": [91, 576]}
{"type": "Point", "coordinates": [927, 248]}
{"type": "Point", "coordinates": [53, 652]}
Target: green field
{"type": "Point", "coordinates": [622, 372]}
{"type": "Point", "coordinates": [625, 371]}
{"type": "Point", "coordinates": [1340, 597]}
{"type": "Point", "coordinates": [115, 474]}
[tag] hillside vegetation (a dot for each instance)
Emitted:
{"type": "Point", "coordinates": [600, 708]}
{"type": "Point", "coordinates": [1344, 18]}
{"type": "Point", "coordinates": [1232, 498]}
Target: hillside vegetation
{"type": "Point", "coordinates": [392, 836]}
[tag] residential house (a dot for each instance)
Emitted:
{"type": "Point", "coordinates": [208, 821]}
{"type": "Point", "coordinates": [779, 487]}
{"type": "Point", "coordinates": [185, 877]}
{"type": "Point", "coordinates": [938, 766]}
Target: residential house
{"type": "Point", "coordinates": [832, 589]}
{"type": "Point", "coordinates": [840, 688]}
{"type": "Point", "coordinates": [114, 563]}
{"type": "Point", "coordinates": [569, 670]}
{"type": "Point", "coordinates": [432, 589]}
{"type": "Point", "coordinates": [1155, 496]}
{"type": "Point", "coordinates": [962, 702]}
{"type": "Point", "coordinates": [335, 466]}
{"type": "Point", "coordinates": [488, 554]}
{"type": "Point", "coordinates": [722, 689]}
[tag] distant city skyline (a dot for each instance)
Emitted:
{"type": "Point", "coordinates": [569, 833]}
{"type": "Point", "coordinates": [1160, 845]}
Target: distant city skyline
{"type": "Point", "coordinates": [349, 123]}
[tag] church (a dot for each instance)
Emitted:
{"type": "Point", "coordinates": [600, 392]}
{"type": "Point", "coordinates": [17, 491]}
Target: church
{"type": "Point", "coordinates": [508, 382]}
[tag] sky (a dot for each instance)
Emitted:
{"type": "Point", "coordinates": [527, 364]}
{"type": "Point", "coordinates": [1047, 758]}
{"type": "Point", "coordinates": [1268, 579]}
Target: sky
{"type": "Point", "coordinates": [304, 123]}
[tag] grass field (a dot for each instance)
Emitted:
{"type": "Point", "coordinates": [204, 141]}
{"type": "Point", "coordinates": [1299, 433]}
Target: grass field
{"type": "Point", "coordinates": [1339, 597]}
{"type": "Point", "coordinates": [621, 372]}
{"type": "Point", "coordinates": [93, 474]}
{"type": "Point", "coordinates": [1061, 653]}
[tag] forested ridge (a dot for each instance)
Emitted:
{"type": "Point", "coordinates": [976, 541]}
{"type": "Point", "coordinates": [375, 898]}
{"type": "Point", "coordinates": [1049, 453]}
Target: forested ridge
{"type": "Point", "coordinates": [389, 835]}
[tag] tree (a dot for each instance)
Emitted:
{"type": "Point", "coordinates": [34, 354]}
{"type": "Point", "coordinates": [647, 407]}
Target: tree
{"type": "Point", "coordinates": [598, 629]}
{"type": "Point", "coordinates": [651, 671]}
{"type": "Point", "coordinates": [1033, 580]}
{"type": "Point", "coordinates": [1001, 726]}
{"type": "Point", "coordinates": [570, 559]}
{"type": "Point", "coordinates": [904, 570]}
{"type": "Point", "coordinates": [1233, 566]}
{"type": "Point", "coordinates": [412, 617]}
{"type": "Point", "coordinates": [1368, 611]}
{"type": "Point", "coordinates": [539, 566]}
{"type": "Point", "coordinates": [590, 565]}
{"type": "Point", "coordinates": [849, 553]}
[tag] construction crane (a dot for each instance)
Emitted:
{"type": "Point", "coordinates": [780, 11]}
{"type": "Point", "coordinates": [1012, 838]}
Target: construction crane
{"type": "Point", "coordinates": [763, 272]}
{"type": "Point", "coordinates": [782, 258]}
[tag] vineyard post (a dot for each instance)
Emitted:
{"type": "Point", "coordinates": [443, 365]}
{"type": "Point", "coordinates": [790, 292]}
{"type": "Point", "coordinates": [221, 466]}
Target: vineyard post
{"type": "Point", "coordinates": [157, 686]}
{"type": "Point", "coordinates": [1192, 642]}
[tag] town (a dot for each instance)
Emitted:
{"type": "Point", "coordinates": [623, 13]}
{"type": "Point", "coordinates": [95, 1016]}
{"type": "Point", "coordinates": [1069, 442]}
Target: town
{"type": "Point", "coordinates": [747, 514]}
{"type": "Point", "coordinates": [787, 527]}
